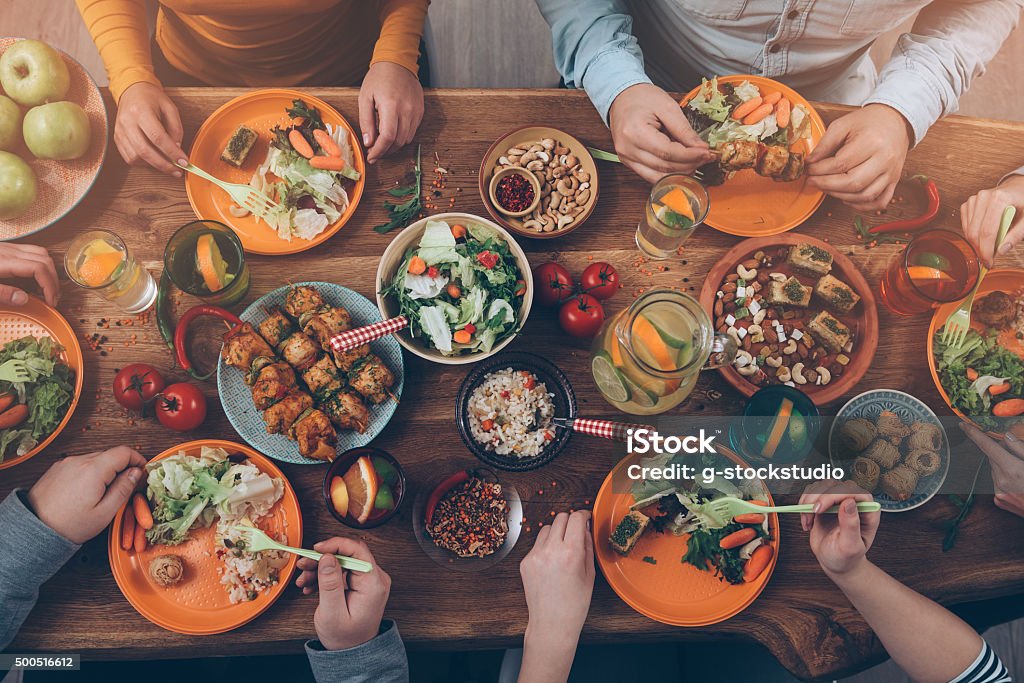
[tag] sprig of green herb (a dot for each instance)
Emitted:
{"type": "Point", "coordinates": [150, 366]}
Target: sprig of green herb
{"type": "Point", "coordinates": [952, 526]}
{"type": "Point", "coordinates": [401, 213]}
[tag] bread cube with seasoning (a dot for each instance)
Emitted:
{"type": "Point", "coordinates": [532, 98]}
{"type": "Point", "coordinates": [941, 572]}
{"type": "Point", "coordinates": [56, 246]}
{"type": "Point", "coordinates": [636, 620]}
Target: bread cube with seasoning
{"type": "Point", "coordinates": [829, 331]}
{"type": "Point", "coordinates": [239, 146]}
{"type": "Point", "coordinates": [836, 294]}
{"type": "Point", "coordinates": [789, 292]}
{"type": "Point", "coordinates": [810, 259]}
{"type": "Point", "coordinates": [628, 532]}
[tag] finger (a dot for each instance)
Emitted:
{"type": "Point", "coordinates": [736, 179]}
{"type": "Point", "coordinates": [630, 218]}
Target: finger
{"type": "Point", "coordinates": [172, 124]}
{"type": "Point", "coordinates": [649, 174]}
{"type": "Point", "coordinates": [542, 536]}
{"type": "Point", "coordinates": [119, 491]}
{"type": "Point", "coordinates": [367, 118]}
{"type": "Point", "coordinates": [387, 121]}
{"type": "Point", "coordinates": [346, 546]}
{"type": "Point", "coordinates": [966, 224]}
{"type": "Point", "coordinates": [1013, 238]}
{"type": "Point", "coordinates": [13, 296]}
{"type": "Point", "coordinates": [153, 129]}
{"type": "Point", "coordinates": [830, 144]}
{"type": "Point", "coordinates": [1008, 503]}
{"type": "Point", "coordinates": [1014, 445]}
{"type": "Point", "coordinates": [990, 447]}
{"type": "Point", "coordinates": [588, 549]}
{"type": "Point", "coordinates": [34, 267]}
{"type": "Point", "coordinates": [331, 581]}
{"type": "Point", "coordinates": [114, 460]}
{"type": "Point", "coordinates": [678, 160]}
{"type": "Point", "coordinates": [879, 202]}
{"type": "Point", "coordinates": [681, 134]}
{"type": "Point", "coordinates": [576, 526]}
{"type": "Point", "coordinates": [146, 152]}
{"type": "Point", "coordinates": [305, 564]}
{"type": "Point", "coordinates": [988, 227]}
{"type": "Point", "coordinates": [558, 526]}
{"type": "Point", "coordinates": [863, 183]}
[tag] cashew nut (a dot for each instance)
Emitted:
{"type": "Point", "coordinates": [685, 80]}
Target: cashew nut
{"type": "Point", "coordinates": [583, 196]}
{"type": "Point", "coordinates": [789, 348]}
{"type": "Point", "coordinates": [743, 359]}
{"type": "Point", "coordinates": [824, 376]}
{"type": "Point", "coordinates": [535, 165]}
{"type": "Point", "coordinates": [745, 273]}
{"type": "Point", "coordinates": [798, 374]}
{"type": "Point", "coordinates": [759, 316]}
{"type": "Point", "coordinates": [774, 361]}
{"type": "Point", "coordinates": [783, 374]}
{"type": "Point", "coordinates": [548, 144]}
{"type": "Point", "coordinates": [533, 224]}
{"type": "Point", "coordinates": [564, 221]}
{"type": "Point", "coordinates": [778, 277]}
{"type": "Point", "coordinates": [747, 370]}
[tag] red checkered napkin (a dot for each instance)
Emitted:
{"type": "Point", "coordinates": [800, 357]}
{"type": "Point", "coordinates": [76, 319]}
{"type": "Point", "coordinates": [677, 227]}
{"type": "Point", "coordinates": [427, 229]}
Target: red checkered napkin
{"type": "Point", "coordinates": [346, 341]}
{"type": "Point", "coordinates": [605, 429]}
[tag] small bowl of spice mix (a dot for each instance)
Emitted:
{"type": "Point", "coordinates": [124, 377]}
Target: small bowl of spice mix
{"type": "Point", "coordinates": [514, 191]}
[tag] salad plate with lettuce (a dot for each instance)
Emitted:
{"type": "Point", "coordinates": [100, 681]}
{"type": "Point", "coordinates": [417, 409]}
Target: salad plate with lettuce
{"type": "Point", "coordinates": [463, 284]}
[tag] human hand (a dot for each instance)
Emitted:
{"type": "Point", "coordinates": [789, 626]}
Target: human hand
{"type": "Point", "coordinates": [1007, 460]}
{"type": "Point", "coordinates": [651, 134]}
{"type": "Point", "coordinates": [78, 496]}
{"type": "Point", "coordinates": [148, 128]}
{"type": "Point", "coordinates": [351, 603]}
{"type": "Point", "coordinates": [558, 578]}
{"type": "Point", "coordinates": [860, 158]}
{"type": "Point", "coordinates": [27, 260]}
{"type": "Point", "coordinates": [390, 108]}
{"type": "Point", "coordinates": [981, 214]}
{"type": "Point", "coordinates": [839, 541]}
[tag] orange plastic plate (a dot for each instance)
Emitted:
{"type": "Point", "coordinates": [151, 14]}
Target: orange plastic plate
{"type": "Point", "coordinates": [750, 205]}
{"type": "Point", "coordinates": [669, 591]}
{"type": "Point", "coordinates": [37, 319]}
{"type": "Point", "coordinates": [199, 604]}
{"type": "Point", "coordinates": [261, 110]}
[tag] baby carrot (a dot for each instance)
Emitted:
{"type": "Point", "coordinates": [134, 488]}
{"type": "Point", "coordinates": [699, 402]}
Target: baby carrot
{"type": "Point", "coordinates": [6, 401]}
{"type": "Point", "coordinates": [327, 163]}
{"type": "Point", "coordinates": [994, 390]}
{"type": "Point", "coordinates": [12, 417]}
{"type": "Point", "coordinates": [142, 514]}
{"type": "Point", "coordinates": [128, 529]}
{"type": "Point", "coordinates": [298, 121]}
{"type": "Point", "coordinates": [1011, 407]}
{"type": "Point", "coordinates": [417, 266]}
{"type": "Point", "coordinates": [783, 108]}
{"type": "Point", "coordinates": [300, 144]}
{"type": "Point", "coordinates": [462, 336]}
{"type": "Point", "coordinates": [773, 97]}
{"type": "Point", "coordinates": [757, 115]}
{"type": "Point", "coordinates": [453, 290]}
{"type": "Point", "coordinates": [326, 142]}
{"type": "Point", "coordinates": [140, 539]}
{"type": "Point", "coordinates": [758, 562]}
{"type": "Point", "coordinates": [738, 538]}
{"type": "Point", "coordinates": [745, 108]}
{"type": "Point", "coordinates": [749, 518]}
{"type": "Point", "coordinates": [458, 231]}
{"type": "Point", "coordinates": [972, 374]}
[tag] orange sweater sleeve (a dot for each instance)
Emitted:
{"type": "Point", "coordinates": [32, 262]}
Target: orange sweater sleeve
{"type": "Point", "coordinates": [118, 27]}
{"type": "Point", "coordinates": [401, 28]}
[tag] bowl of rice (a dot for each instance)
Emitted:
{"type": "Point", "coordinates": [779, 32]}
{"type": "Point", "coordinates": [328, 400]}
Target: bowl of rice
{"type": "Point", "coordinates": [506, 407]}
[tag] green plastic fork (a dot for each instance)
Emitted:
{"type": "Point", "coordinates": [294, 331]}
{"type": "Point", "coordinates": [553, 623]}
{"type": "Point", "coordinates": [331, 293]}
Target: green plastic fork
{"type": "Point", "coordinates": [954, 332]}
{"type": "Point", "coordinates": [258, 540]}
{"type": "Point", "coordinates": [727, 508]}
{"type": "Point", "coordinates": [14, 370]}
{"type": "Point", "coordinates": [609, 156]}
{"type": "Point", "coordinates": [246, 196]}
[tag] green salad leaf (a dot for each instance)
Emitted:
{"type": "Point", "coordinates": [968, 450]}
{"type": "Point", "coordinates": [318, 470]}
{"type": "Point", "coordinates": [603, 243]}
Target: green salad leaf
{"type": "Point", "coordinates": [983, 354]}
{"type": "Point", "coordinates": [47, 392]}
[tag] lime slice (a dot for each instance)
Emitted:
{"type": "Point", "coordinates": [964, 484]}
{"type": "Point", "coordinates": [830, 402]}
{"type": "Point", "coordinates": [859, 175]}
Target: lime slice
{"type": "Point", "coordinates": [932, 260]}
{"type": "Point", "coordinates": [645, 398]}
{"type": "Point", "coordinates": [385, 500]}
{"type": "Point", "coordinates": [385, 470]}
{"type": "Point", "coordinates": [659, 323]}
{"type": "Point", "coordinates": [609, 380]}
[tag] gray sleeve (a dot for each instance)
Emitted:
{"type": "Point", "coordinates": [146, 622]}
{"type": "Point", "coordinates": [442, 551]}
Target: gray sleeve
{"type": "Point", "coordinates": [30, 554]}
{"type": "Point", "coordinates": [381, 660]}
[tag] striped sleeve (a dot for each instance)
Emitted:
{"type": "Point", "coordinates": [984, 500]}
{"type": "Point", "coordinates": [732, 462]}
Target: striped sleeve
{"type": "Point", "coordinates": [987, 668]}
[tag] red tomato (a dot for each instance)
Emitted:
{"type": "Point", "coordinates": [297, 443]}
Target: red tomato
{"type": "Point", "coordinates": [553, 283]}
{"type": "Point", "coordinates": [581, 316]}
{"type": "Point", "coordinates": [135, 385]}
{"type": "Point", "coordinates": [600, 280]}
{"type": "Point", "coordinates": [181, 407]}
{"type": "Point", "coordinates": [488, 259]}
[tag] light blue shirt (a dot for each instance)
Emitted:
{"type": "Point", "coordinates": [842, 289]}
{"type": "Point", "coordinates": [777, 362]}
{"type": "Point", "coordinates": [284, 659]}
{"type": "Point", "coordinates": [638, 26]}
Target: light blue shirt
{"type": "Point", "coordinates": [818, 47]}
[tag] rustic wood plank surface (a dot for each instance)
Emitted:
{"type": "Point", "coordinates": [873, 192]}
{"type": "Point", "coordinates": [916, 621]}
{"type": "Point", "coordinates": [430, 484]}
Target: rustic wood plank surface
{"type": "Point", "coordinates": [800, 617]}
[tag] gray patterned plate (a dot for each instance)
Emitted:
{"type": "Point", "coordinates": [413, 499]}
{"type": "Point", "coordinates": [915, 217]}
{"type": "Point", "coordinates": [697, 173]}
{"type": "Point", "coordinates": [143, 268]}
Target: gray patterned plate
{"type": "Point", "coordinates": [869, 405]}
{"type": "Point", "coordinates": [236, 397]}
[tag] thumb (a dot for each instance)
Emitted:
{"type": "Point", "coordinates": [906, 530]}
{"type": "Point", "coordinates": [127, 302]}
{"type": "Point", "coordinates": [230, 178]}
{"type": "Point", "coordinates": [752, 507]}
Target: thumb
{"type": "Point", "coordinates": [1013, 237]}
{"type": "Point", "coordinates": [367, 118]}
{"type": "Point", "coordinates": [331, 581]}
{"type": "Point", "coordinates": [119, 491]}
{"type": "Point", "coordinates": [678, 128]}
{"type": "Point", "coordinates": [831, 141]}
{"type": "Point", "coordinates": [13, 296]}
{"type": "Point", "coordinates": [849, 519]}
{"type": "Point", "coordinates": [172, 124]}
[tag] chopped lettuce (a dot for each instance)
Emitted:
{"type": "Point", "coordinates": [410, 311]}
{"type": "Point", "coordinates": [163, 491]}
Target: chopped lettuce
{"type": "Point", "coordinates": [435, 324]}
{"type": "Point", "coordinates": [47, 392]}
{"type": "Point", "coordinates": [982, 353]}
{"type": "Point", "coordinates": [733, 130]}
{"type": "Point", "coordinates": [746, 91]}
{"type": "Point", "coordinates": [437, 244]}
{"type": "Point", "coordinates": [424, 286]}
{"type": "Point", "coordinates": [710, 101]}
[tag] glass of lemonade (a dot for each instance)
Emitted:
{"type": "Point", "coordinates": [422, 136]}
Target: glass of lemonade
{"type": "Point", "coordinates": [936, 267]}
{"type": "Point", "coordinates": [206, 259]}
{"type": "Point", "coordinates": [99, 261]}
{"type": "Point", "coordinates": [646, 359]}
{"type": "Point", "coordinates": [677, 205]}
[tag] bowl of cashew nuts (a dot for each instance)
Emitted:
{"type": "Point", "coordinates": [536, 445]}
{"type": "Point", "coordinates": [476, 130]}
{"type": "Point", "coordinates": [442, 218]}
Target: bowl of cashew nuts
{"type": "Point", "coordinates": [561, 164]}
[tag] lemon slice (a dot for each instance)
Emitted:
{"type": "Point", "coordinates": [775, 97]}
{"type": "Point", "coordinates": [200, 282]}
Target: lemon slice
{"type": "Point", "coordinates": [609, 380]}
{"type": "Point", "coordinates": [211, 264]}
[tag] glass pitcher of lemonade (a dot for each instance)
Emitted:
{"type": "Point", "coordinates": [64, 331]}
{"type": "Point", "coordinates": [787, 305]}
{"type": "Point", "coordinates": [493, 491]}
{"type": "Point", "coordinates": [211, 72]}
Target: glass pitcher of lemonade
{"type": "Point", "coordinates": [646, 359]}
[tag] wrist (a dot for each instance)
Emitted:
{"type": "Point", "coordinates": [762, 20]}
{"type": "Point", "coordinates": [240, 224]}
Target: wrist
{"type": "Point", "coordinates": [551, 638]}
{"type": "Point", "coordinates": [895, 115]}
{"type": "Point", "coordinates": [1014, 181]}
{"type": "Point", "coordinates": [850, 573]}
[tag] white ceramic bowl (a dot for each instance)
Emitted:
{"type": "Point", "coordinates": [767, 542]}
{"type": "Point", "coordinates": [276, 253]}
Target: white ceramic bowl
{"type": "Point", "coordinates": [395, 254]}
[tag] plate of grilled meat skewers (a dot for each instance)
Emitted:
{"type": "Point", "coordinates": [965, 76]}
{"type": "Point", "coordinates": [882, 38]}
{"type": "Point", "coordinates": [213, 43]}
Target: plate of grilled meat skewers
{"type": "Point", "coordinates": [288, 394]}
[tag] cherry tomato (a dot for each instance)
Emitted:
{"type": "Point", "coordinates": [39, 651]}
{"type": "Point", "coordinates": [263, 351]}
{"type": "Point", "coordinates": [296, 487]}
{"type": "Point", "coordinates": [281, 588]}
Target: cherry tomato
{"type": "Point", "coordinates": [553, 284]}
{"type": "Point", "coordinates": [135, 385]}
{"type": "Point", "coordinates": [181, 407]}
{"type": "Point", "coordinates": [581, 316]}
{"type": "Point", "coordinates": [600, 280]}
{"type": "Point", "coordinates": [488, 259]}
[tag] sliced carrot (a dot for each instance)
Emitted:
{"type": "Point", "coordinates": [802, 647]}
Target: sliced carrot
{"type": "Point", "coordinates": [1011, 407]}
{"type": "Point", "coordinates": [6, 401]}
{"type": "Point", "coordinates": [453, 290]}
{"type": "Point", "coordinates": [298, 121]}
{"type": "Point", "coordinates": [758, 562]}
{"type": "Point", "coordinates": [749, 518]}
{"type": "Point", "coordinates": [994, 390]}
{"type": "Point", "coordinates": [487, 425]}
{"type": "Point", "coordinates": [757, 115]}
{"type": "Point", "coordinates": [326, 142]}
{"type": "Point", "coordinates": [462, 336]}
{"type": "Point", "coordinates": [142, 514]}
{"type": "Point", "coordinates": [140, 542]}
{"type": "Point", "coordinates": [128, 529]}
{"type": "Point", "coordinates": [12, 417]}
{"type": "Point", "coordinates": [773, 97]}
{"type": "Point", "coordinates": [783, 109]}
{"type": "Point", "coordinates": [747, 107]}
{"type": "Point", "coordinates": [328, 163]}
{"type": "Point", "coordinates": [417, 266]}
{"type": "Point", "coordinates": [458, 231]}
{"type": "Point", "coordinates": [972, 374]}
{"type": "Point", "coordinates": [738, 538]}
{"type": "Point", "coordinates": [300, 144]}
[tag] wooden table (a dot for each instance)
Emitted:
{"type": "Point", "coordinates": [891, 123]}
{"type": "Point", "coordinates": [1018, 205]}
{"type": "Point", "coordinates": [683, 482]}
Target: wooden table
{"type": "Point", "coordinates": [800, 617]}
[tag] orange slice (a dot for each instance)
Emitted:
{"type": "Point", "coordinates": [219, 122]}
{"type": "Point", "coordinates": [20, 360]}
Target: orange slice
{"type": "Point", "coordinates": [677, 200]}
{"type": "Point", "coordinates": [652, 349]}
{"type": "Point", "coordinates": [361, 482]}
{"type": "Point", "coordinates": [927, 273]}
{"type": "Point", "coordinates": [339, 496]}
{"type": "Point", "coordinates": [99, 262]}
{"type": "Point", "coordinates": [778, 428]}
{"type": "Point", "coordinates": [211, 263]}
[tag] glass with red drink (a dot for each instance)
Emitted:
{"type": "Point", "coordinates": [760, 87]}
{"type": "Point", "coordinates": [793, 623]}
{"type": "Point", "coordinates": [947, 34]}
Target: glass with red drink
{"type": "Point", "coordinates": [936, 267]}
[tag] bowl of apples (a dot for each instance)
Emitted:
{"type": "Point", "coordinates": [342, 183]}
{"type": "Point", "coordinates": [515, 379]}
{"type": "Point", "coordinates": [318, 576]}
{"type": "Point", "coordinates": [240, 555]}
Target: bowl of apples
{"type": "Point", "coordinates": [53, 135]}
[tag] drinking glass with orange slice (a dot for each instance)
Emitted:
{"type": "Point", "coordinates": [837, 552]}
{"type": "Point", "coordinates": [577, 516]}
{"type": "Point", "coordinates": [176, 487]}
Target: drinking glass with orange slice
{"type": "Point", "coordinates": [779, 424]}
{"type": "Point", "coordinates": [206, 259]}
{"type": "Point", "coordinates": [99, 261]}
{"type": "Point", "coordinates": [364, 487]}
{"type": "Point", "coordinates": [677, 205]}
{"type": "Point", "coordinates": [646, 359]}
{"type": "Point", "coordinates": [935, 268]}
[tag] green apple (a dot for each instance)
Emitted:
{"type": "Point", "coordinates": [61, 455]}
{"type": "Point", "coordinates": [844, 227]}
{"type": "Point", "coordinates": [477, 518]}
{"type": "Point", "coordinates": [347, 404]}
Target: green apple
{"type": "Point", "coordinates": [33, 73]}
{"type": "Point", "coordinates": [10, 123]}
{"type": "Point", "coordinates": [17, 186]}
{"type": "Point", "coordinates": [58, 130]}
